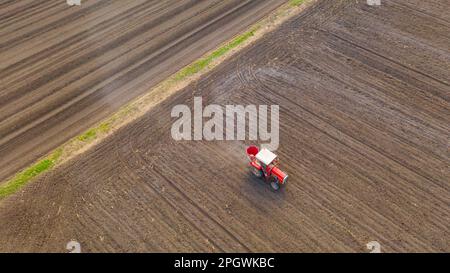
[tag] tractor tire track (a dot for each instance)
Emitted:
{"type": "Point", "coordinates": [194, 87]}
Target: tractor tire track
{"type": "Point", "coordinates": [75, 78]}
{"type": "Point", "coordinates": [364, 139]}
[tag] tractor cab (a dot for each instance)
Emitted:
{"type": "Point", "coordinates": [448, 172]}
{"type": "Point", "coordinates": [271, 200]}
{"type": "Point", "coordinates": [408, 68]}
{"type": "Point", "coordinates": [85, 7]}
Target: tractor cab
{"type": "Point", "coordinates": [264, 163]}
{"type": "Point", "coordinates": [266, 158]}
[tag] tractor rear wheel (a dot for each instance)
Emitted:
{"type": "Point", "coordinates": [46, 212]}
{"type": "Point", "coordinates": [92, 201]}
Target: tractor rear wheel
{"type": "Point", "coordinates": [275, 185]}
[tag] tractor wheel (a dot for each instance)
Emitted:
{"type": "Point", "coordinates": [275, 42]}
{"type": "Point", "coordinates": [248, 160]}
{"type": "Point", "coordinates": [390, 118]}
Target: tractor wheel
{"type": "Point", "coordinates": [257, 173]}
{"type": "Point", "coordinates": [275, 185]}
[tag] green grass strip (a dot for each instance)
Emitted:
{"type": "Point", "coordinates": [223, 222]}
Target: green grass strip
{"type": "Point", "coordinates": [204, 62]}
{"type": "Point", "coordinates": [18, 181]}
{"type": "Point", "coordinates": [296, 2]}
{"type": "Point", "coordinates": [46, 164]}
{"type": "Point", "coordinates": [22, 178]}
{"type": "Point", "coordinates": [91, 134]}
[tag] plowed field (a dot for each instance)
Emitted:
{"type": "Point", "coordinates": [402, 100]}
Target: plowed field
{"type": "Point", "coordinates": [364, 110]}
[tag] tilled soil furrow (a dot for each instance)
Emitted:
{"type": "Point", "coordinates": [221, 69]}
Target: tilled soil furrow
{"type": "Point", "coordinates": [100, 60]}
{"type": "Point", "coordinates": [364, 102]}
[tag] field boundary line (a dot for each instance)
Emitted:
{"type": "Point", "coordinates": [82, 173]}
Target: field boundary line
{"type": "Point", "coordinates": [139, 106]}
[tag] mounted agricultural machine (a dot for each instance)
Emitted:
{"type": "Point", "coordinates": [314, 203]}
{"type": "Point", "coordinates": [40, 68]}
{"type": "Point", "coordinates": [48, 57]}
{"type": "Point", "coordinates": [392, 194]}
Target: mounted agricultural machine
{"type": "Point", "coordinates": [264, 164]}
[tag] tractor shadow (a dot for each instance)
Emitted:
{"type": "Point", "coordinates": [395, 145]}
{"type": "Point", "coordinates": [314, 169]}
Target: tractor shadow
{"type": "Point", "coordinates": [262, 189]}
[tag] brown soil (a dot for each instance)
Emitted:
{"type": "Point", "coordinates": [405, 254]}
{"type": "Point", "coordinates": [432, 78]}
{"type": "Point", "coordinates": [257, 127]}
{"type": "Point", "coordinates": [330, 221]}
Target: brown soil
{"type": "Point", "coordinates": [62, 68]}
{"type": "Point", "coordinates": [364, 97]}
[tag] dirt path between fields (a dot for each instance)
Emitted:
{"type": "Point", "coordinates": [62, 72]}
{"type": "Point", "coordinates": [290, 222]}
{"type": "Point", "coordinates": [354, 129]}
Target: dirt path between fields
{"type": "Point", "coordinates": [63, 69]}
{"type": "Point", "coordinates": [364, 98]}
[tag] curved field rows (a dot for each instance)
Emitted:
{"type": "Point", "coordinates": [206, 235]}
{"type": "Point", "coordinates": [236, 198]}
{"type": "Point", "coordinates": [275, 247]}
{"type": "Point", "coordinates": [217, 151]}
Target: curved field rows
{"type": "Point", "coordinates": [363, 94]}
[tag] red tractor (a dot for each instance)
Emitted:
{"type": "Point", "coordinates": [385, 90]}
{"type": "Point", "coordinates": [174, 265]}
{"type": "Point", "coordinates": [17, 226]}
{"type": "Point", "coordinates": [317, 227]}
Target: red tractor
{"type": "Point", "coordinates": [264, 164]}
